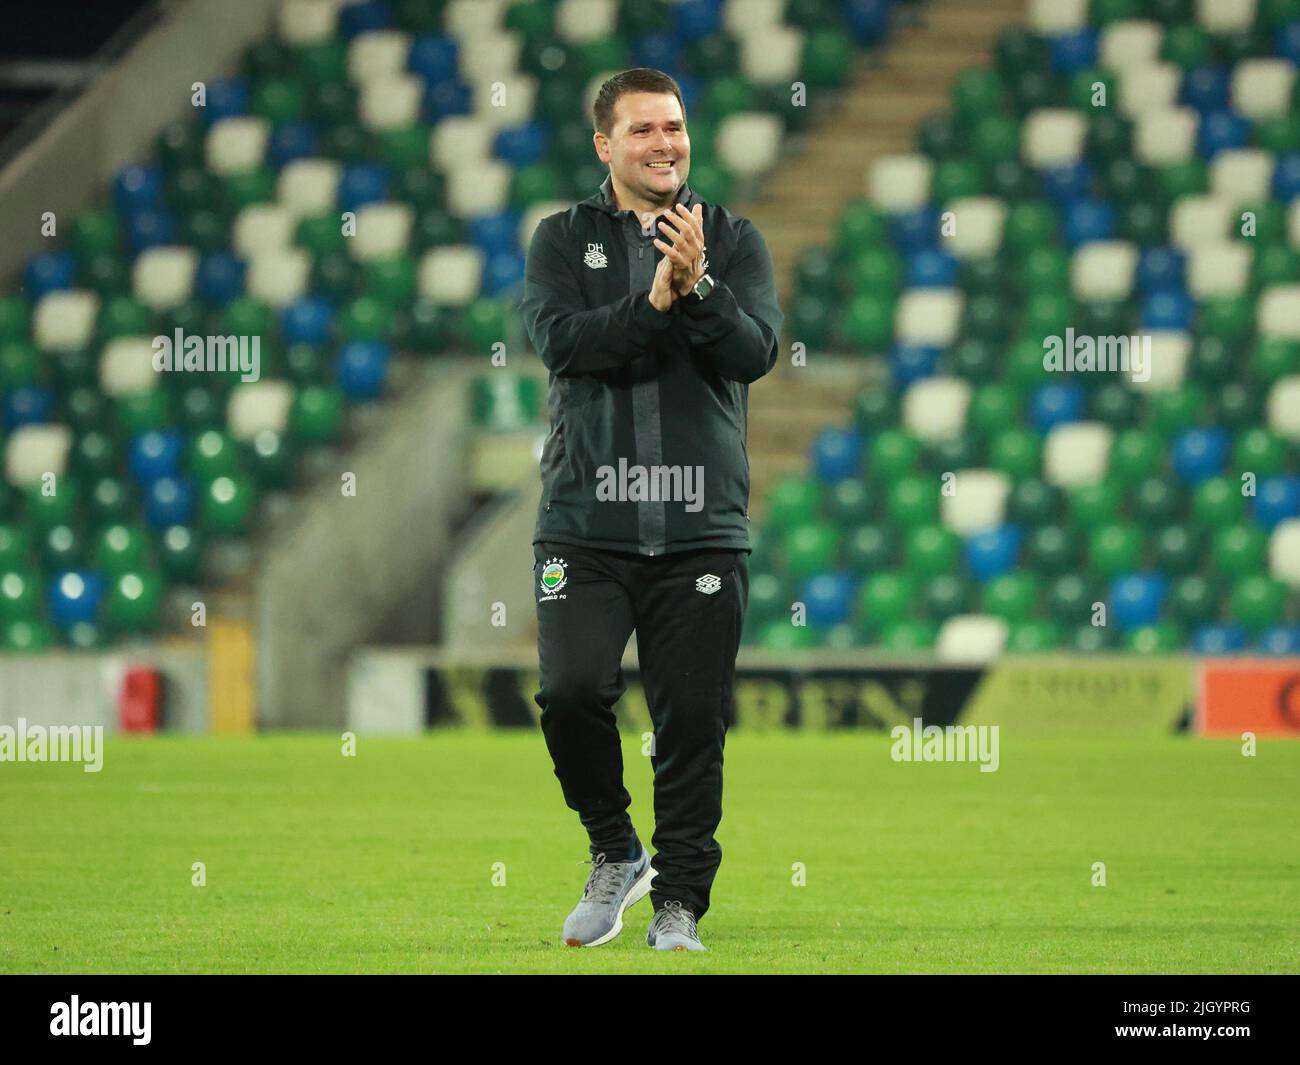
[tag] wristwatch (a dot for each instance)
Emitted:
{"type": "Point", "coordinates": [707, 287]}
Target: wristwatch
{"type": "Point", "coordinates": [703, 287]}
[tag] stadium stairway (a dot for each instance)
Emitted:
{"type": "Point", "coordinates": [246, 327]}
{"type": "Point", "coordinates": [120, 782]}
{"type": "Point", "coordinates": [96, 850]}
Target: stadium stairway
{"type": "Point", "coordinates": [893, 90]}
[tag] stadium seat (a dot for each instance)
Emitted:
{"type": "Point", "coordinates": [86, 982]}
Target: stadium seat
{"type": "Point", "coordinates": [971, 638]}
{"type": "Point", "coordinates": [1077, 454]}
{"type": "Point", "coordinates": [748, 143]}
{"type": "Point", "coordinates": [451, 275]}
{"type": "Point", "coordinates": [935, 408]}
{"type": "Point", "coordinates": [34, 452]}
{"type": "Point", "coordinates": [900, 182]}
{"type": "Point", "coordinates": [978, 502]}
{"type": "Point", "coordinates": [64, 320]}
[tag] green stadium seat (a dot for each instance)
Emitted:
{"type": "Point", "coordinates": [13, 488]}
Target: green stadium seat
{"type": "Point", "coordinates": [1033, 637]}
{"type": "Point", "coordinates": [1257, 602]}
{"type": "Point", "coordinates": [120, 549]}
{"type": "Point", "coordinates": [1011, 596]}
{"type": "Point", "coordinates": [913, 501]}
{"type": "Point", "coordinates": [869, 547]}
{"type": "Point", "coordinates": [20, 594]}
{"type": "Point", "coordinates": [909, 637]}
{"type": "Point", "coordinates": [1017, 453]}
{"type": "Point", "coordinates": [1178, 549]}
{"type": "Point", "coordinates": [110, 501]}
{"type": "Point", "coordinates": [1115, 548]}
{"type": "Point", "coordinates": [226, 505]}
{"type": "Point", "coordinates": [133, 601]}
{"type": "Point", "coordinates": [1239, 550]}
{"type": "Point", "coordinates": [931, 549]}
{"type": "Point", "coordinates": [809, 548]}
{"type": "Point", "coordinates": [886, 599]}
{"type": "Point", "coordinates": [1160, 639]}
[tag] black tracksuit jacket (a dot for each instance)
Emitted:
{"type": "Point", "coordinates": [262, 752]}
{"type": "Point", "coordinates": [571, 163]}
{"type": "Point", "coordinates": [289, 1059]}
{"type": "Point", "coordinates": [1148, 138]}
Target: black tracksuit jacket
{"type": "Point", "coordinates": [655, 390]}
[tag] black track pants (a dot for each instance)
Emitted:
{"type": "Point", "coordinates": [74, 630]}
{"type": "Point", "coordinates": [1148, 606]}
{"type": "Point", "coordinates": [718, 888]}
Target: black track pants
{"type": "Point", "coordinates": [687, 610]}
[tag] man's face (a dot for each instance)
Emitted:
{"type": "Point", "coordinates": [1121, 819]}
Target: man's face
{"type": "Point", "coordinates": [647, 132]}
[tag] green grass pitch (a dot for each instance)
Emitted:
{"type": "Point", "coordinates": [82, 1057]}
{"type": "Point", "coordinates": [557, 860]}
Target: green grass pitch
{"type": "Point", "coordinates": [385, 862]}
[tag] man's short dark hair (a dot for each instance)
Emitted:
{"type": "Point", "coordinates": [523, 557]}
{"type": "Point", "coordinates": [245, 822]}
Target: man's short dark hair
{"type": "Point", "coordinates": [638, 79]}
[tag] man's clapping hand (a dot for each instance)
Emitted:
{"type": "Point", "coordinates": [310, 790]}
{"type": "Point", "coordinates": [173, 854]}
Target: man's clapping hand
{"type": "Point", "coordinates": [685, 230]}
{"type": "Point", "coordinates": [661, 292]}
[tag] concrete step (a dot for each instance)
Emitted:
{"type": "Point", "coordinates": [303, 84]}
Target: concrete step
{"type": "Point", "coordinates": [892, 92]}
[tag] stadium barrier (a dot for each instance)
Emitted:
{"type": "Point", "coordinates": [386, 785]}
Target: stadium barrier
{"type": "Point", "coordinates": [404, 691]}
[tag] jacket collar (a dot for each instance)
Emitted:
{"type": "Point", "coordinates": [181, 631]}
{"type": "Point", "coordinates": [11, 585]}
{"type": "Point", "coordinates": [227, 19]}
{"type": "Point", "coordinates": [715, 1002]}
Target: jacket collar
{"type": "Point", "coordinates": [603, 198]}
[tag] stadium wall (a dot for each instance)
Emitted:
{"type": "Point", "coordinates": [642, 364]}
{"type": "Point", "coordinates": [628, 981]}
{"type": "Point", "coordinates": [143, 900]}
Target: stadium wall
{"type": "Point", "coordinates": [115, 120]}
{"type": "Point", "coordinates": [76, 688]}
{"type": "Point", "coordinates": [491, 576]}
{"type": "Point", "coordinates": [365, 567]}
{"type": "Point", "coordinates": [392, 691]}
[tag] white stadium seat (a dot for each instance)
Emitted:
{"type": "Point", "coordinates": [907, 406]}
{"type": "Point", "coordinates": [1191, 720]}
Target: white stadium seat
{"type": "Point", "coordinates": [1053, 136]}
{"type": "Point", "coordinates": [308, 21]}
{"type": "Point", "coordinates": [978, 501]}
{"type": "Point", "coordinates": [1219, 269]}
{"type": "Point", "coordinates": [928, 316]}
{"type": "Point", "coordinates": [460, 140]}
{"type": "Point", "coordinates": [126, 366]}
{"type": "Point", "coordinates": [383, 231]}
{"type": "Point", "coordinates": [1077, 454]}
{"type": "Point", "coordinates": [391, 102]}
{"type": "Point", "coordinates": [278, 276]}
{"type": "Point", "coordinates": [1261, 88]}
{"type": "Point", "coordinates": [1148, 87]}
{"type": "Point", "coordinates": [64, 320]}
{"type": "Point", "coordinates": [1130, 42]}
{"type": "Point", "coordinates": [971, 638]}
{"type": "Point", "coordinates": [164, 277]}
{"type": "Point", "coordinates": [1225, 16]}
{"type": "Point", "coordinates": [490, 58]}
{"type": "Point", "coordinates": [749, 143]}
{"type": "Point", "coordinates": [1057, 16]}
{"type": "Point", "coordinates": [451, 275]}
{"type": "Point", "coordinates": [309, 186]}
{"type": "Point", "coordinates": [464, 19]}
{"type": "Point", "coordinates": [1242, 175]}
{"type": "Point", "coordinates": [234, 145]}
{"type": "Point", "coordinates": [976, 230]}
{"type": "Point", "coordinates": [1166, 135]}
{"type": "Point", "coordinates": [256, 406]}
{"type": "Point", "coordinates": [1284, 407]}
{"type": "Point", "coordinates": [1278, 312]}
{"type": "Point", "coordinates": [262, 227]}
{"type": "Point", "coordinates": [578, 21]}
{"type": "Point", "coordinates": [1284, 553]}
{"type": "Point", "coordinates": [1103, 270]}
{"type": "Point", "coordinates": [1170, 351]}
{"type": "Point", "coordinates": [772, 55]}
{"type": "Point", "coordinates": [483, 188]}
{"type": "Point", "coordinates": [900, 182]}
{"type": "Point", "coordinates": [513, 106]}
{"type": "Point", "coordinates": [32, 451]}
{"type": "Point", "coordinates": [1197, 220]}
{"type": "Point", "coordinates": [740, 17]}
{"type": "Point", "coordinates": [934, 408]}
{"type": "Point", "coordinates": [378, 54]}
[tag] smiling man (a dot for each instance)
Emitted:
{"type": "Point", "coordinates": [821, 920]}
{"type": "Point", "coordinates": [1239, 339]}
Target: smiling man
{"type": "Point", "coordinates": [654, 312]}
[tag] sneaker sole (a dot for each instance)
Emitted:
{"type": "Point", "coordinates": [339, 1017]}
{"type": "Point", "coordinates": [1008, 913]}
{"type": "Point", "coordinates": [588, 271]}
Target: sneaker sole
{"type": "Point", "coordinates": [639, 889]}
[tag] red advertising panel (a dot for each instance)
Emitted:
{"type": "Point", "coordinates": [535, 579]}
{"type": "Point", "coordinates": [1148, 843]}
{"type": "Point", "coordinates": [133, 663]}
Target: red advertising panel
{"type": "Point", "coordinates": [1258, 695]}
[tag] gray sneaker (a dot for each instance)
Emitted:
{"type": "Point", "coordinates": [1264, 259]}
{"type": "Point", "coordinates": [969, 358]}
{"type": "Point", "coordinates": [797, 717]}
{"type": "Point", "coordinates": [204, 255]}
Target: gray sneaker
{"type": "Point", "coordinates": [673, 928]}
{"type": "Point", "coordinates": [611, 888]}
